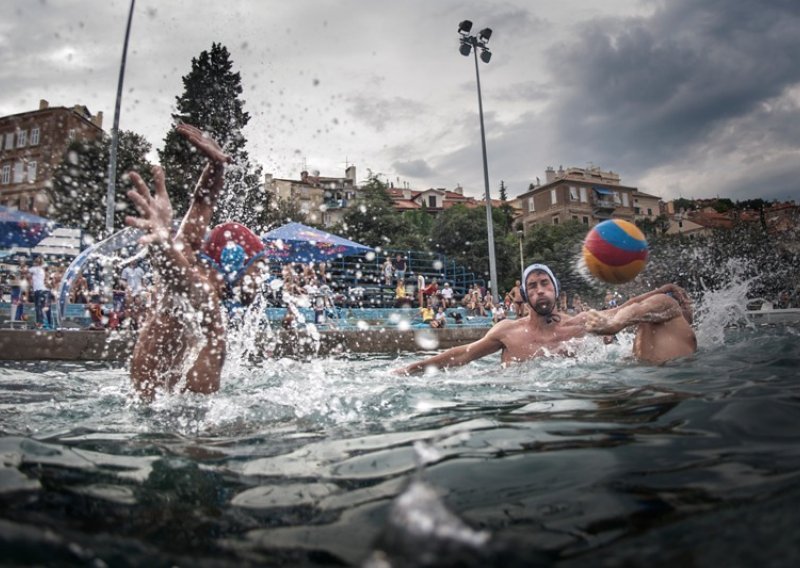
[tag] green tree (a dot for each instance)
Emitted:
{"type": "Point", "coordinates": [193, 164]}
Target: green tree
{"type": "Point", "coordinates": [211, 101]}
{"type": "Point", "coordinates": [282, 211]}
{"type": "Point", "coordinates": [503, 191]}
{"type": "Point", "coordinates": [723, 205]}
{"type": "Point", "coordinates": [80, 182]}
{"type": "Point", "coordinates": [684, 204]}
{"type": "Point", "coordinates": [420, 223]}
{"type": "Point", "coordinates": [559, 247]}
{"type": "Point", "coordinates": [460, 233]}
{"type": "Point", "coordinates": [373, 220]}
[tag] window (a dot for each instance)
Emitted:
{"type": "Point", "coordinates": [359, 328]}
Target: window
{"type": "Point", "coordinates": [573, 193]}
{"type": "Point", "coordinates": [22, 138]}
{"type": "Point", "coordinates": [636, 210]}
{"type": "Point", "coordinates": [649, 211]}
{"type": "Point", "coordinates": [586, 220]}
{"type": "Point", "coordinates": [35, 136]}
{"type": "Point", "coordinates": [555, 220]}
{"type": "Point", "coordinates": [432, 201]}
{"type": "Point", "coordinates": [32, 172]}
{"type": "Point", "coordinates": [553, 196]}
{"type": "Point", "coordinates": [9, 141]}
{"type": "Point", "coordinates": [574, 217]}
{"type": "Point", "coordinates": [6, 176]}
{"type": "Point", "coordinates": [531, 205]}
{"type": "Point", "coordinates": [18, 172]}
{"type": "Point", "coordinates": [71, 134]}
{"type": "Point", "coordinates": [625, 200]}
{"type": "Point", "coordinates": [584, 199]}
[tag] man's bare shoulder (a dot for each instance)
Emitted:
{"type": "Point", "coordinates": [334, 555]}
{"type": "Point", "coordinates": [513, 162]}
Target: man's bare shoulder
{"type": "Point", "coordinates": [503, 328]}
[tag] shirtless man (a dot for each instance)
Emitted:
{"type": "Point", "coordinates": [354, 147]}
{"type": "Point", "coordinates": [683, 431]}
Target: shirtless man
{"type": "Point", "coordinates": [183, 335]}
{"type": "Point", "coordinates": [516, 298]}
{"type": "Point", "coordinates": [663, 317]}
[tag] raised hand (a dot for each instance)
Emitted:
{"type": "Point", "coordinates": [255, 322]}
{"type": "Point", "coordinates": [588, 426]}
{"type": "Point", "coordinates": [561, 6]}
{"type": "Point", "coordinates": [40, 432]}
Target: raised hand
{"type": "Point", "coordinates": [155, 209]}
{"type": "Point", "coordinates": [204, 143]}
{"type": "Point", "coordinates": [211, 180]}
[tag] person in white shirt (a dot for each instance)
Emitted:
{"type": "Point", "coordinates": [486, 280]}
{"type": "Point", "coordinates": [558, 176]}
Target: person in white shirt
{"type": "Point", "coordinates": [40, 290]}
{"type": "Point", "coordinates": [133, 276]}
{"type": "Point", "coordinates": [447, 295]}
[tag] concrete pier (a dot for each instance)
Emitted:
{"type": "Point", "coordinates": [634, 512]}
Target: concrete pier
{"type": "Point", "coordinates": [85, 345]}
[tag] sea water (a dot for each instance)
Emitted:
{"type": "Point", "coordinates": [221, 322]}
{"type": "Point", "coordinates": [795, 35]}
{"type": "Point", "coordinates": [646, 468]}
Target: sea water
{"type": "Point", "coordinates": [587, 461]}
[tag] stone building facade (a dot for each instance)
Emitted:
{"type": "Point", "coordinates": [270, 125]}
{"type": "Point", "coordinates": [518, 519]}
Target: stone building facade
{"type": "Point", "coordinates": [32, 145]}
{"type": "Point", "coordinates": [586, 195]}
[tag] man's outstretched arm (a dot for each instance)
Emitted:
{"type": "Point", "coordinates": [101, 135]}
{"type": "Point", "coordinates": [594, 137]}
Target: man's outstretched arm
{"type": "Point", "coordinates": [456, 356]}
{"type": "Point", "coordinates": [654, 308]}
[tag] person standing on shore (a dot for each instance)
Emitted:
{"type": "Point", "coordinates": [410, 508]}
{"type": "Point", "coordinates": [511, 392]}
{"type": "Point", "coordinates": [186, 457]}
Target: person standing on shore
{"type": "Point", "coordinates": [38, 274]}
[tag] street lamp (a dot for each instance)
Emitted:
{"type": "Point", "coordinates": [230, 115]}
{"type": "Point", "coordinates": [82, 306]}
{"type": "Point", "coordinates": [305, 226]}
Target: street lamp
{"type": "Point", "coordinates": [521, 235]}
{"type": "Point", "coordinates": [112, 160]}
{"type": "Point", "coordinates": [475, 44]}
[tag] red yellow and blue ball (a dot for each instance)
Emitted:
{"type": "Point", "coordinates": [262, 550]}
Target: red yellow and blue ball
{"type": "Point", "coordinates": [615, 251]}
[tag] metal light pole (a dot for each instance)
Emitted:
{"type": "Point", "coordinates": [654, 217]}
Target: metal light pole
{"type": "Point", "coordinates": [112, 160]}
{"type": "Point", "coordinates": [521, 235]}
{"type": "Point", "coordinates": [474, 44]}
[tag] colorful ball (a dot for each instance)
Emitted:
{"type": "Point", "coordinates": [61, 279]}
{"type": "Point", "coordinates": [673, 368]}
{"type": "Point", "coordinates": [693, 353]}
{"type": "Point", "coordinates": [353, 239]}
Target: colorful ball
{"type": "Point", "coordinates": [615, 251]}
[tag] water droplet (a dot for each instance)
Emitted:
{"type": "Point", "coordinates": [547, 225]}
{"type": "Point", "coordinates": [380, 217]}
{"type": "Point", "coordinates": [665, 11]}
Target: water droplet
{"type": "Point", "coordinates": [426, 339]}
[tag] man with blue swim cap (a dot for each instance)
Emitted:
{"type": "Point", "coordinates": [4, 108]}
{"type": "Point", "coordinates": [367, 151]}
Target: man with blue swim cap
{"type": "Point", "coordinates": [663, 319]}
{"type": "Point", "coordinates": [183, 339]}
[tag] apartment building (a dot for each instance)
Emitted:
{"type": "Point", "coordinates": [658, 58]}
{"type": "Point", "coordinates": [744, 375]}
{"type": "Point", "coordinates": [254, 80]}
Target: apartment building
{"type": "Point", "coordinates": [322, 199]}
{"type": "Point", "coordinates": [433, 200]}
{"type": "Point", "coordinates": [588, 195]}
{"type": "Point", "coordinates": [32, 145]}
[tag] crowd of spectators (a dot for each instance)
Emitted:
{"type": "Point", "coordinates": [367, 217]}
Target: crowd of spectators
{"type": "Point", "coordinates": [32, 291]}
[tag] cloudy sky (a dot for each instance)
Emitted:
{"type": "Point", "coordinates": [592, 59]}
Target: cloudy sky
{"type": "Point", "coordinates": [691, 98]}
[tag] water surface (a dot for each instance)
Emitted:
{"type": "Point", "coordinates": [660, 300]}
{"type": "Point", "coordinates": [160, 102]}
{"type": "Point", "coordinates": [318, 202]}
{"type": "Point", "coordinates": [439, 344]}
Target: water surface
{"type": "Point", "coordinates": [589, 461]}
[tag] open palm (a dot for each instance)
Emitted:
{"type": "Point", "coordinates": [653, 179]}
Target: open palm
{"type": "Point", "coordinates": [154, 208]}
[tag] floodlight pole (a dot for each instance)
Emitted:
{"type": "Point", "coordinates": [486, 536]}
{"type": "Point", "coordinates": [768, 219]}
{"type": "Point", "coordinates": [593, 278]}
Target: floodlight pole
{"type": "Point", "coordinates": [481, 44]}
{"type": "Point", "coordinates": [112, 160]}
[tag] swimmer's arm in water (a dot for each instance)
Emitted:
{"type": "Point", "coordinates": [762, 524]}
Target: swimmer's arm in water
{"type": "Point", "coordinates": [456, 356]}
{"type": "Point", "coordinates": [195, 223]}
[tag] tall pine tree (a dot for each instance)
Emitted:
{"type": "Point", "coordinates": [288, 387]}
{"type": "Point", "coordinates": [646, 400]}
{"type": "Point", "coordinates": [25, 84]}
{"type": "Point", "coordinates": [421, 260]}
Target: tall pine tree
{"type": "Point", "coordinates": [211, 102]}
{"type": "Point", "coordinates": [80, 182]}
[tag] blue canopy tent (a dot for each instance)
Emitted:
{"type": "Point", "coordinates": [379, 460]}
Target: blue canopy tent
{"type": "Point", "coordinates": [295, 242]}
{"type": "Point", "coordinates": [21, 229]}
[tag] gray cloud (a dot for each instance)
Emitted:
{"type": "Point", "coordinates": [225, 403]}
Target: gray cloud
{"type": "Point", "coordinates": [414, 169]}
{"type": "Point", "coordinates": [643, 92]}
{"type": "Point", "coordinates": [697, 97]}
{"type": "Point", "coordinates": [379, 112]}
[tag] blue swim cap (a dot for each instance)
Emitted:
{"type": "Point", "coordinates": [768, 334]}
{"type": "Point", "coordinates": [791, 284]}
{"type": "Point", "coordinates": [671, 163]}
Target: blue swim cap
{"type": "Point", "coordinates": [232, 259]}
{"type": "Point", "coordinates": [537, 268]}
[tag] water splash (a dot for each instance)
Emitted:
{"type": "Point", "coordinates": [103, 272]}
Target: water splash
{"type": "Point", "coordinates": [724, 305]}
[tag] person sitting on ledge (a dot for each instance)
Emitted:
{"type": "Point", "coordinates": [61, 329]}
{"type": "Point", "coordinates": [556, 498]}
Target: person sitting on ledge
{"type": "Point", "coordinates": [182, 339]}
{"type": "Point", "coordinates": [663, 318]}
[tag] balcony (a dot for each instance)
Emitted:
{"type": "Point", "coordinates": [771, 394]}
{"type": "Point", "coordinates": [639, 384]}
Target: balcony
{"type": "Point", "coordinates": [335, 204]}
{"type": "Point", "coordinates": [605, 204]}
